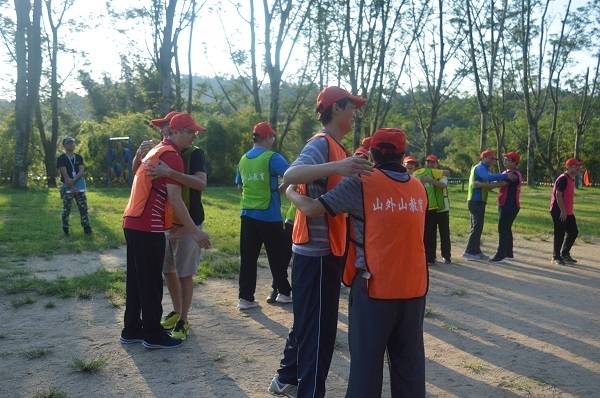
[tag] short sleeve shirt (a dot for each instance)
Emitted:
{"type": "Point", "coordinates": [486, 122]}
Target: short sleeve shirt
{"type": "Point", "coordinates": [153, 216]}
{"type": "Point", "coordinates": [347, 197]}
{"type": "Point", "coordinates": [561, 185]}
{"type": "Point", "coordinates": [197, 164]}
{"type": "Point", "coordinates": [72, 164]}
{"type": "Point", "coordinates": [316, 151]}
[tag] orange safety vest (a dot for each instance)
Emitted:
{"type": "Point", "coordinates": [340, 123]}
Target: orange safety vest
{"type": "Point", "coordinates": [336, 225]}
{"type": "Point", "coordinates": [142, 186]}
{"type": "Point", "coordinates": [393, 238]}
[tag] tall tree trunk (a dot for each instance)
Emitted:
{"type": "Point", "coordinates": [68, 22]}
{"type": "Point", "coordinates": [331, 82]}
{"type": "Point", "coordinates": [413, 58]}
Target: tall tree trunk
{"type": "Point", "coordinates": [22, 116]}
{"type": "Point", "coordinates": [178, 96]}
{"type": "Point", "coordinates": [531, 144]}
{"type": "Point", "coordinates": [483, 128]}
{"type": "Point", "coordinates": [166, 56]}
{"type": "Point", "coordinates": [190, 80]}
{"type": "Point", "coordinates": [29, 71]}
{"type": "Point", "coordinates": [255, 88]}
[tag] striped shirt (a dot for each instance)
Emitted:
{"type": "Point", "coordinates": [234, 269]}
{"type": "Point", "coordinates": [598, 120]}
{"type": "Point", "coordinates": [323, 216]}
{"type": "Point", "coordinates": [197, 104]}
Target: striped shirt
{"type": "Point", "coordinates": [347, 197]}
{"type": "Point", "coordinates": [315, 151]}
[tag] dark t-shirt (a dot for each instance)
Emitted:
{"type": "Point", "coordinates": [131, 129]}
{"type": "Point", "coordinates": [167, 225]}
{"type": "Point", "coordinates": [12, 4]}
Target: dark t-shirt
{"type": "Point", "coordinates": [197, 164]}
{"type": "Point", "coordinates": [511, 195]}
{"type": "Point", "coordinates": [72, 164]}
{"type": "Point", "coordinates": [561, 185]}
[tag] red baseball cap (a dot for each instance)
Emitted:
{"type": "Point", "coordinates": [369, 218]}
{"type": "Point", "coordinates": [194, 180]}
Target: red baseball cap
{"type": "Point", "coordinates": [332, 94]}
{"type": "Point", "coordinates": [366, 143]}
{"type": "Point", "coordinates": [432, 158]}
{"type": "Point", "coordinates": [185, 121]}
{"type": "Point", "coordinates": [395, 137]}
{"type": "Point", "coordinates": [165, 120]}
{"type": "Point", "coordinates": [573, 162]}
{"type": "Point", "coordinates": [410, 159]}
{"type": "Point", "coordinates": [263, 130]}
{"type": "Point", "coordinates": [488, 153]}
{"type": "Point", "coordinates": [514, 156]}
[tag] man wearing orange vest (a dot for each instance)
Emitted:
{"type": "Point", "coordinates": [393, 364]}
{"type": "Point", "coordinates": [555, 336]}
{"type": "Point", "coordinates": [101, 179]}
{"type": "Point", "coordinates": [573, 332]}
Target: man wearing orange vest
{"type": "Point", "coordinates": [147, 215]}
{"type": "Point", "coordinates": [387, 272]}
{"type": "Point", "coordinates": [319, 244]}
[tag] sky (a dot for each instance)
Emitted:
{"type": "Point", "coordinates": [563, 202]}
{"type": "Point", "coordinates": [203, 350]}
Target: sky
{"type": "Point", "coordinates": [102, 43]}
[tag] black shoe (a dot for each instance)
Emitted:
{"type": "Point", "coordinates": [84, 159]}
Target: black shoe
{"type": "Point", "coordinates": [447, 261]}
{"type": "Point", "coordinates": [569, 259]}
{"type": "Point", "coordinates": [558, 261]}
{"type": "Point", "coordinates": [66, 231]}
{"type": "Point", "coordinates": [497, 260]}
{"type": "Point", "coordinates": [271, 298]}
{"type": "Point", "coordinates": [87, 230]}
{"type": "Point", "coordinates": [131, 338]}
{"type": "Point", "coordinates": [510, 255]}
{"type": "Point", "coordinates": [163, 340]}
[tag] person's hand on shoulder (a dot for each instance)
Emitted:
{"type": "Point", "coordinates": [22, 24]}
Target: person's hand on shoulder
{"type": "Point", "coordinates": [159, 169]}
{"type": "Point", "coordinates": [352, 166]}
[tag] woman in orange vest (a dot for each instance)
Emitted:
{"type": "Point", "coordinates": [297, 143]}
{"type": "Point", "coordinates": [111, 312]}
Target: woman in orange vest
{"type": "Point", "coordinates": [387, 272]}
{"type": "Point", "coordinates": [318, 246]}
{"type": "Point", "coordinates": [148, 214]}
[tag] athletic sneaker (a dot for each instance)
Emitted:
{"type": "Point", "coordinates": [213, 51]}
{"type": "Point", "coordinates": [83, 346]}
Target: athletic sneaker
{"type": "Point", "coordinates": [283, 299]}
{"type": "Point", "coordinates": [431, 263]}
{"type": "Point", "coordinates": [282, 389]}
{"type": "Point", "coordinates": [163, 340]}
{"type": "Point", "coordinates": [470, 256]}
{"type": "Point", "coordinates": [569, 259]}
{"type": "Point", "coordinates": [170, 320]}
{"type": "Point", "coordinates": [497, 260]}
{"type": "Point", "coordinates": [447, 261]}
{"type": "Point", "coordinates": [272, 298]}
{"type": "Point", "coordinates": [475, 257]}
{"type": "Point", "coordinates": [131, 338]}
{"type": "Point", "coordinates": [558, 261]}
{"type": "Point", "coordinates": [181, 330]}
{"type": "Point", "coordinates": [246, 305]}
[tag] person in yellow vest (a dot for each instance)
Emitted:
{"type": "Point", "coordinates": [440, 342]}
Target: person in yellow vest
{"type": "Point", "coordinates": [387, 272]}
{"type": "Point", "coordinates": [261, 222]}
{"type": "Point", "coordinates": [411, 164]}
{"type": "Point", "coordinates": [148, 214]}
{"type": "Point", "coordinates": [435, 183]}
{"type": "Point", "coordinates": [319, 244]}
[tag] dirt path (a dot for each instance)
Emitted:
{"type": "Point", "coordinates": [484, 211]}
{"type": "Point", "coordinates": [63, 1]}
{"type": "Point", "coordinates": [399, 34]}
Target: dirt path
{"type": "Point", "coordinates": [522, 329]}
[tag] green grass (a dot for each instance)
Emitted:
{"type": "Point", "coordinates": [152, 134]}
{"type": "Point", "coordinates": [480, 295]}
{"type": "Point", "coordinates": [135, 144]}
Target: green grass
{"type": "Point", "coordinates": [534, 220]}
{"type": "Point", "coordinates": [50, 304]}
{"type": "Point", "coordinates": [84, 286]}
{"type": "Point", "coordinates": [27, 300]}
{"type": "Point", "coordinates": [30, 220]}
{"type": "Point", "coordinates": [51, 392]}
{"type": "Point", "coordinates": [476, 368]}
{"type": "Point", "coordinates": [36, 353]}
{"type": "Point", "coordinates": [89, 365]}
